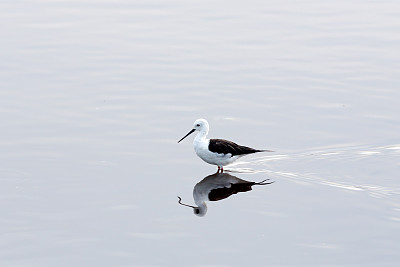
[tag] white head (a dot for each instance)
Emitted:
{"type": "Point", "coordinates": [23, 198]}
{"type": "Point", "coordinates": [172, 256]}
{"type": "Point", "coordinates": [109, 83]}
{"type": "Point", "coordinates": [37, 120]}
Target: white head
{"type": "Point", "coordinates": [200, 211]}
{"type": "Point", "coordinates": [200, 125]}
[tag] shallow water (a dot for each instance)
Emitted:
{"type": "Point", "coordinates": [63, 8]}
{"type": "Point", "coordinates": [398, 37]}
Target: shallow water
{"type": "Point", "coordinates": [95, 95]}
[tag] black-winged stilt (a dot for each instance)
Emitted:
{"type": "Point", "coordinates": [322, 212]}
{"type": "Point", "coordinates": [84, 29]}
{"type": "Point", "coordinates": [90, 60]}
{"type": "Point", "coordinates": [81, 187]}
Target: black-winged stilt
{"type": "Point", "coordinates": [218, 152]}
{"type": "Point", "coordinates": [216, 187]}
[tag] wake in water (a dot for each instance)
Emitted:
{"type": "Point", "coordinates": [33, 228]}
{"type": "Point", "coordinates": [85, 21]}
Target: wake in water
{"type": "Point", "coordinates": [374, 170]}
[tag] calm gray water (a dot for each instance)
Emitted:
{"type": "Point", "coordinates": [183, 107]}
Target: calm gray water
{"type": "Point", "coordinates": [94, 96]}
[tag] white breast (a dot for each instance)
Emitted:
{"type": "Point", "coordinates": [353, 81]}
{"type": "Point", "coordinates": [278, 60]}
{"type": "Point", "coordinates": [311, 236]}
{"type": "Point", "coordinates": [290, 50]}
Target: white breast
{"type": "Point", "coordinates": [201, 149]}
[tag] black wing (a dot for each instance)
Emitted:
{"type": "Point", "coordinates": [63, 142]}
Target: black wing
{"type": "Point", "coordinates": [225, 192]}
{"type": "Point", "coordinates": [225, 147]}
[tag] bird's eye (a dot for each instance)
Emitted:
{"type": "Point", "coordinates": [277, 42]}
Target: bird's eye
{"type": "Point", "coordinates": [197, 125]}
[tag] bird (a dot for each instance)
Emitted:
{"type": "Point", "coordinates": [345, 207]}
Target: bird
{"type": "Point", "coordinates": [216, 187]}
{"type": "Point", "coordinates": [218, 152]}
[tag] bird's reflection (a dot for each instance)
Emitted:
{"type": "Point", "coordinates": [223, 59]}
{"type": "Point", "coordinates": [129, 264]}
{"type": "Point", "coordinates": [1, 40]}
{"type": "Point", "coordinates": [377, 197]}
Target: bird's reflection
{"type": "Point", "coordinates": [216, 187]}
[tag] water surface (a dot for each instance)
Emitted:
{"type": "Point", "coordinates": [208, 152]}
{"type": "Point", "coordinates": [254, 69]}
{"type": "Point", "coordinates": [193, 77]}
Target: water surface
{"type": "Point", "coordinates": [95, 95]}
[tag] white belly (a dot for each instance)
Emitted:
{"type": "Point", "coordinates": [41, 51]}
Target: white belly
{"type": "Point", "coordinates": [201, 149]}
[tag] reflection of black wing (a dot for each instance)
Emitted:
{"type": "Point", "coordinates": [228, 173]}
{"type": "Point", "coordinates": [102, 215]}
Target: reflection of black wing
{"type": "Point", "coordinates": [225, 147]}
{"type": "Point", "coordinates": [224, 192]}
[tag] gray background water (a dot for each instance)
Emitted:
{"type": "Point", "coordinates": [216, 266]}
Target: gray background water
{"type": "Point", "coordinates": [94, 96]}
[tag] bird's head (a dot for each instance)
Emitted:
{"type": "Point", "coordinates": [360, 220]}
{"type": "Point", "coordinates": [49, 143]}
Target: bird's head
{"type": "Point", "coordinates": [200, 125]}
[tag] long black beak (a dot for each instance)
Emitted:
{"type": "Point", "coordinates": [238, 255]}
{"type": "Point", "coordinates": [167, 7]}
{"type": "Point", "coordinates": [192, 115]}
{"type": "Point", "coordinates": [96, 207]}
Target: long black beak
{"type": "Point", "coordinates": [191, 131]}
{"type": "Point", "coordinates": [180, 202]}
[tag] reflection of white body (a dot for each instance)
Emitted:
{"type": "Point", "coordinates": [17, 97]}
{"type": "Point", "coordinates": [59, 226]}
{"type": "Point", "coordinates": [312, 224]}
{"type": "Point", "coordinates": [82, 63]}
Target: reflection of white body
{"type": "Point", "coordinates": [218, 152]}
{"type": "Point", "coordinates": [216, 187]}
{"type": "Point", "coordinates": [202, 189]}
